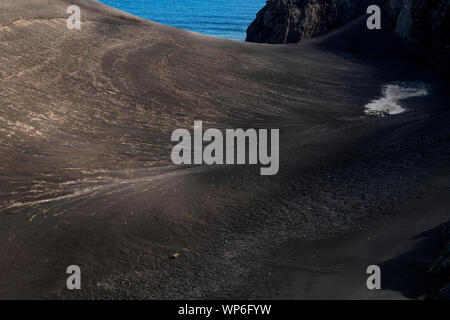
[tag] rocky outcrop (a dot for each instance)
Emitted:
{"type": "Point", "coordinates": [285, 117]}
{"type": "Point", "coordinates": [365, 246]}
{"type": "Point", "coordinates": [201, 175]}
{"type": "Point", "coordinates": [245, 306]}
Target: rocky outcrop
{"type": "Point", "coordinates": [441, 264]}
{"type": "Point", "coordinates": [289, 21]}
{"type": "Point", "coordinates": [441, 267]}
{"type": "Point", "coordinates": [419, 21]}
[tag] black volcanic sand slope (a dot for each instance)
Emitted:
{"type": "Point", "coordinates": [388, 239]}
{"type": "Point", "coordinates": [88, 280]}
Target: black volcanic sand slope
{"type": "Point", "coordinates": [85, 173]}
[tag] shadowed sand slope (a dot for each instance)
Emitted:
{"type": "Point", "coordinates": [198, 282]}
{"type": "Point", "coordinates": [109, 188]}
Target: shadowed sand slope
{"type": "Point", "coordinates": [85, 174]}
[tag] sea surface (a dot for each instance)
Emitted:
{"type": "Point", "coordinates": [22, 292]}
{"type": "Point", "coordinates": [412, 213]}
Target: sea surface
{"type": "Point", "coordinates": [219, 18]}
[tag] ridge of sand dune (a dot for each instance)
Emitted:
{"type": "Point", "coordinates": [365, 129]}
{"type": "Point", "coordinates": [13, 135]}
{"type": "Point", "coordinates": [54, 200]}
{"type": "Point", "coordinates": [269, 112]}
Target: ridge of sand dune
{"type": "Point", "coordinates": [82, 111]}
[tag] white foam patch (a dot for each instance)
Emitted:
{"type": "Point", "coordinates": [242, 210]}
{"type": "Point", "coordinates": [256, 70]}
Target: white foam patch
{"type": "Point", "coordinates": [392, 94]}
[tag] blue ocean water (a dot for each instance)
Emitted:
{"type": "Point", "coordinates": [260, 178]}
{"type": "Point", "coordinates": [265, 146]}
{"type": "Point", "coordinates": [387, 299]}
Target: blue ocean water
{"type": "Point", "coordinates": [219, 18]}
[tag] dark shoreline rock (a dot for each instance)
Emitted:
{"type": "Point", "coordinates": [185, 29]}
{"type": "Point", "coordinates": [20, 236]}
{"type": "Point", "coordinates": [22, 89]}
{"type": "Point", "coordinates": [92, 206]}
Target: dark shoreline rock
{"type": "Point", "coordinates": [290, 21]}
{"type": "Point", "coordinates": [441, 267]}
{"type": "Point", "coordinates": [420, 22]}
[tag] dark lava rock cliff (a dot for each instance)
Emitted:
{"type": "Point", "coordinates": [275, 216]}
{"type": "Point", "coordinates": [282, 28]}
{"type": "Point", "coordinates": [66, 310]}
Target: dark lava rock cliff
{"type": "Point", "coordinates": [289, 21]}
{"type": "Point", "coordinates": [421, 21]}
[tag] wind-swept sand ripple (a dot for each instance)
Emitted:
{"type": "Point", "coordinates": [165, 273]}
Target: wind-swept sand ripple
{"type": "Point", "coordinates": [85, 123]}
